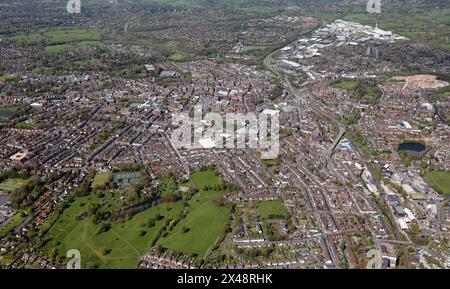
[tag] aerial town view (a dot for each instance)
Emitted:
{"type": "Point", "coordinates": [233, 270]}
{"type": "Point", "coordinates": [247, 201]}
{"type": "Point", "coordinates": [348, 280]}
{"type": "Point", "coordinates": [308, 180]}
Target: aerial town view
{"type": "Point", "coordinates": [224, 134]}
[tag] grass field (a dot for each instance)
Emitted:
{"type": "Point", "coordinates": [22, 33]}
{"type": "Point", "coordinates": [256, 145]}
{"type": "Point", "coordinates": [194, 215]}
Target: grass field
{"type": "Point", "coordinates": [346, 84]}
{"type": "Point", "coordinates": [7, 77]}
{"type": "Point", "coordinates": [178, 57]}
{"type": "Point", "coordinates": [124, 242]}
{"type": "Point", "coordinates": [100, 180]}
{"type": "Point", "coordinates": [59, 36]}
{"type": "Point", "coordinates": [6, 260]}
{"type": "Point", "coordinates": [205, 220]}
{"type": "Point", "coordinates": [57, 48]}
{"type": "Point", "coordinates": [12, 184]}
{"type": "Point", "coordinates": [271, 162]}
{"type": "Point", "coordinates": [439, 181]}
{"type": "Point", "coordinates": [26, 125]}
{"type": "Point", "coordinates": [14, 222]}
{"type": "Point", "coordinates": [7, 112]}
{"type": "Point", "coordinates": [60, 40]}
{"type": "Point", "coordinates": [272, 210]}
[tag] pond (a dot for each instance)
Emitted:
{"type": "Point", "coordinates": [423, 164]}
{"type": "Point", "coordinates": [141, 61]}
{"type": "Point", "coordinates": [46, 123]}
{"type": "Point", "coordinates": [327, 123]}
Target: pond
{"type": "Point", "coordinates": [415, 147]}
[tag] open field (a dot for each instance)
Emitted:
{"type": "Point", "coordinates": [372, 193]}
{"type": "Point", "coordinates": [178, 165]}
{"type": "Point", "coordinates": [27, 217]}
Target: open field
{"type": "Point", "coordinates": [119, 247]}
{"type": "Point", "coordinates": [439, 181]}
{"type": "Point", "coordinates": [26, 125]}
{"type": "Point", "coordinates": [57, 48]}
{"type": "Point", "coordinates": [347, 84]}
{"type": "Point", "coordinates": [271, 162]}
{"type": "Point", "coordinates": [6, 260]}
{"type": "Point", "coordinates": [7, 77]}
{"type": "Point", "coordinates": [60, 40]}
{"type": "Point", "coordinates": [58, 36]}
{"type": "Point", "coordinates": [12, 223]}
{"type": "Point", "coordinates": [100, 180]}
{"type": "Point", "coordinates": [12, 184]}
{"type": "Point", "coordinates": [205, 221]}
{"type": "Point", "coordinates": [178, 57]}
{"type": "Point", "coordinates": [272, 210]}
{"type": "Point", "coordinates": [7, 112]}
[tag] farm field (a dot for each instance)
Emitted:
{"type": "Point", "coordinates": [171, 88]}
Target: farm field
{"type": "Point", "coordinates": [272, 210]}
{"type": "Point", "coordinates": [205, 221]}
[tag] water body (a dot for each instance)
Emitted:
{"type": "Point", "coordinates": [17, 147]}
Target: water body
{"type": "Point", "coordinates": [414, 147]}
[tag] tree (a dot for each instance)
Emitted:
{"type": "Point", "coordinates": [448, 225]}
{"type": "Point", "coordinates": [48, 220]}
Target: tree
{"type": "Point", "coordinates": [104, 227]}
{"type": "Point", "coordinates": [132, 196]}
{"type": "Point", "coordinates": [105, 251]}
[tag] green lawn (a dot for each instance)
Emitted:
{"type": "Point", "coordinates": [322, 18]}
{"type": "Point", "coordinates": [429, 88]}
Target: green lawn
{"type": "Point", "coordinates": [7, 77]}
{"type": "Point", "coordinates": [439, 181]}
{"type": "Point", "coordinates": [26, 125]}
{"type": "Point", "coordinates": [12, 184]}
{"type": "Point", "coordinates": [100, 180]}
{"type": "Point", "coordinates": [178, 57]}
{"type": "Point", "coordinates": [57, 48]}
{"type": "Point", "coordinates": [271, 162]}
{"type": "Point", "coordinates": [60, 40]}
{"type": "Point", "coordinates": [72, 35]}
{"type": "Point", "coordinates": [59, 36]}
{"type": "Point", "coordinates": [14, 222]}
{"type": "Point", "coordinates": [123, 244]}
{"type": "Point", "coordinates": [272, 210]}
{"type": "Point", "coordinates": [124, 240]}
{"type": "Point", "coordinates": [6, 260]}
{"type": "Point", "coordinates": [89, 43]}
{"type": "Point", "coordinates": [8, 111]}
{"type": "Point", "coordinates": [346, 84]}
{"type": "Point", "coordinates": [205, 219]}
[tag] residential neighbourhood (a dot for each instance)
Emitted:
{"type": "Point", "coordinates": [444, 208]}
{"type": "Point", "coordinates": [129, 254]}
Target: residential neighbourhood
{"type": "Point", "coordinates": [89, 114]}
